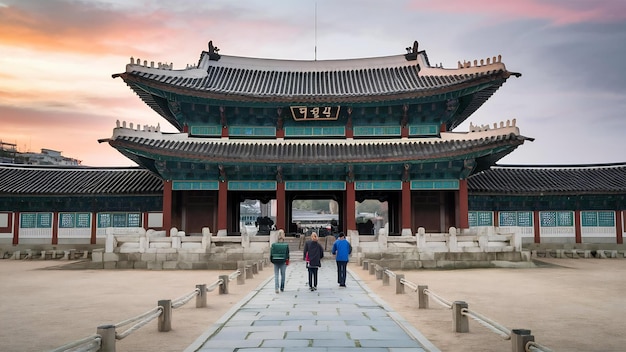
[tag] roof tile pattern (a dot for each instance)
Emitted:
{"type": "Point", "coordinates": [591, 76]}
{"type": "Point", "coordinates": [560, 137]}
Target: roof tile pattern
{"type": "Point", "coordinates": [607, 178]}
{"type": "Point", "coordinates": [26, 179]}
{"type": "Point", "coordinates": [237, 151]}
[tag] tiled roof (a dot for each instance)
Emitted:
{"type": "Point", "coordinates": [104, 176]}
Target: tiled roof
{"type": "Point", "coordinates": [576, 179]}
{"type": "Point", "coordinates": [50, 180]}
{"type": "Point", "coordinates": [313, 152]}
{"type": "Point", "coordinates": [308, 81]}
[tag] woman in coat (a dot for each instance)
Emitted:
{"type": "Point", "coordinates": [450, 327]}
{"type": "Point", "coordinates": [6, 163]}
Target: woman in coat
{"type": "Point", "coordinates": [313, 254]}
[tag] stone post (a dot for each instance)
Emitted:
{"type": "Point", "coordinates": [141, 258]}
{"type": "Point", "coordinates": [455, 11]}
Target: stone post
{"type": "Point", "coordinates": [399, 284]}
{"type": "Point", "coordinates": [366, 264]}
{"type": "Point", "coordinates": [224, 285]}
{"type": "Point", "coordinates": [165, 319]}
{"type": "Point", "coordinates": [421, 239]}
{"type": "Point", "coordinates": [460, 322]}
{"type": "Point", "coordinates": [385, 277]}
{"type": "Point", "coordinates": [423, 297]}
{"type": "Point", "coordinates": [201, 296]}
{"type": "Point", "coordinates": [519, 339]}
{"type": "Point", "coordinates": [379, 272]}
{"type": "Point", "coordinates": [453, 244]}
{"type": "Point", "coordinates": [241, 278]}
{"type": "Point", "coordinates": [372, 268]}
{"type": "Point", "coordinates": [107, 338]}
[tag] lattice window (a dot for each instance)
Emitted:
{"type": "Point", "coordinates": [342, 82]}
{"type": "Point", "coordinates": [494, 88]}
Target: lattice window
{"type": "Point", "coordinates": [556, 218]}
{"type": "Point", "coordinates": [480, 218]}
{"type": "Point", "coordinates": [516, 218]}
{"type": "Point", "coordinates": [35, 220]}
{"type": "Point", "coordinates": [74, 220]}
{"type": "Point", "coordinates": [597, 219]}
{"type": "Point", "coordinates": [119, 220]}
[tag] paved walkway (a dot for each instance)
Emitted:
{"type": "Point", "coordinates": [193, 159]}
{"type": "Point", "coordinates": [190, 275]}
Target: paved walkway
{"type": "Point", "coordinates": [329, 319]}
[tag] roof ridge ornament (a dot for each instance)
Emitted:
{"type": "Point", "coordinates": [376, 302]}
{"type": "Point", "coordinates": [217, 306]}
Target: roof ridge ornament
{"type": "Point", "coordinates": [213, 52]}
{"type": "Point", "coordinates": [411, 52]}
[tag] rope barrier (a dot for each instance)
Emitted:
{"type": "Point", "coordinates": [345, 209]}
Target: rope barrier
{"type": "Point", "coordinates": [179, 302]}
{"type": "Point", "coordinates": [409, 283]}
{"type": "Point", "coordinates": [488, 323]}
{"type": "Point", "coordinates": [438, 299]}
{"type": "Point", "coordinates": [138, 317]}
{"type": "Point", "coordinates": [89, 343]}
{"type": "Point", "coordinates": [390, 273]}
{"type": "Point", "coordinates": [532, 346]}
{"type": "Point", "coordinates": [214, 285]}
{"type": "Point", "coordinates": [234, 275]}
{"type": "Point", "coordinates": [141, 323]}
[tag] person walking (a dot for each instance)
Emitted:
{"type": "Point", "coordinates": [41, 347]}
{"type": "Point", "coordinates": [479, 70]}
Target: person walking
{"type": "Point", "coordinates": [279, 256]}
{"type": "Point", "coordinates": [342, 250]}
{"type": "Point", "coordinates": [313, 254]}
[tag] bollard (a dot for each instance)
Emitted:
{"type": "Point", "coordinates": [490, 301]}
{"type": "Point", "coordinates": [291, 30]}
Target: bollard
{"type": "Point", "coordinates": [249, 274]}
{"type": "Point", "coordinates": [385, 277]}
{"type": "Point", "coordinates": [519, 339]}
{"type": "Point", "coordinates": [399, 284]}
{"type": "Point", "coordinates": [165, 319]}
{"type": "Point", "coordinates": [107, 338]}
{"type": "Point", "coordinates": [241, 278]}
{"type": "Point", "coordinates": [224, 285]}
{"type": "Point", "coordinates": [255, 268]}
{"type": "Point", "coordinates": [423, 297]}
{"type": "Point", "coordinates": [201, 297]}
{"type": "Point", "coordinates": [260, 265]}
{"type": "Point", "coordinates": [366, 265]}
{"type": "Point", "coordinates": [372, 268]}
{"type": "Point", "coordinates": [379, 272]}
{"type": "Point", "coordinates": [460, 322]}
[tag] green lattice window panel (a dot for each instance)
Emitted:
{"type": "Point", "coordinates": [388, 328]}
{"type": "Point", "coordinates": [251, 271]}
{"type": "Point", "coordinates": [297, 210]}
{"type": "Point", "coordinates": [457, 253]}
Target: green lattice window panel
{"type": "Point", "coordinates": [251, 131]}
{"type": "Point", "coordinates": [206, 131]}
{"type": "Point", "coordinates": [36, 220]}
{"type": "Point", "coordinates": [74, 220]}
{"type": "Point", "coordinates": [119, 220]}
{"type": "Point", "coordinates": [597, 218]}
{"type": "Point", "coordinates": [515, 218]}
{"type": "Point", "coordinates": [556, 218]}
{"type": "Point", "coordinates": [314, 131]}
{"type": "Point", "coordinates": [480, 218]}
{"type": "Point", "coordinates": [376, 131]}
{"type": "Point", "coordinates": [423, 130]}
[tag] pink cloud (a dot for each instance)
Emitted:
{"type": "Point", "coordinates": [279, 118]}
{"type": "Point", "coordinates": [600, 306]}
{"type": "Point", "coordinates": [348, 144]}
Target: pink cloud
{"type": "Point", "coordinates": [556, 12]}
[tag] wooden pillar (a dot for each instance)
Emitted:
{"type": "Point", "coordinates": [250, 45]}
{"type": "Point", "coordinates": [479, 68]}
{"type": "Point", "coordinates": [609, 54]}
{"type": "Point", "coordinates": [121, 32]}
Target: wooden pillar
{"type": "Point", "coordinates": [350, 206]}
{"type": "Point", "coordinates": [280, 206]}
{"type": "Point", "coordinates": [145, 220]}
{"type": "Point", "coordinates": [496, 218]}
{"type": "Point", "coordinates": [55, 228]}
{"type": "Point", "coordinates": [167, 206]}
{"type": "Point", "coordinates": [94, 227]}
{"type": "Point", "coordinates": [406, 206]}
{"type": "Point", "coordinates": [536, 226]}
{"type": "Point", "coordinates": [463, 205]}
{"type": "Point", "coordinates": [619, 216]}
{"type": "Point", "coordinates": [16, 228]}
{"type": "Point", "coordinates": [577, 227]}
{"type": "Point", "coordinates": [222, 206]}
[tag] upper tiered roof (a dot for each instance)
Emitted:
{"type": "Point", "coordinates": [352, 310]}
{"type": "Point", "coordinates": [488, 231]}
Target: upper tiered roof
{"type": "Point", "coordinates": [393, 80]}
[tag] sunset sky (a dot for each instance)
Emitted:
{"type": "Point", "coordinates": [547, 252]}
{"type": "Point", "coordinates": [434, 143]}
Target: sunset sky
{"type": "Point", "coordinates": [57, 58]}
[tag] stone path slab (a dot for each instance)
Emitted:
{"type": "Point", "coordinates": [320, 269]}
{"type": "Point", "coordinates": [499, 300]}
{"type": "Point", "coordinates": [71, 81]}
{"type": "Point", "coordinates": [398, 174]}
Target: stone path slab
{"type": "Point", "coordinates": [332, 318]}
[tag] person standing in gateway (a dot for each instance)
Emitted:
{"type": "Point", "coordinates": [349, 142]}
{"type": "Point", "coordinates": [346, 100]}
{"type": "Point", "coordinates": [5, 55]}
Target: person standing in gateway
{"type": "Point", "coordinates": [342, 250]}
{"type": "Point", "coordinates": [279, 256]}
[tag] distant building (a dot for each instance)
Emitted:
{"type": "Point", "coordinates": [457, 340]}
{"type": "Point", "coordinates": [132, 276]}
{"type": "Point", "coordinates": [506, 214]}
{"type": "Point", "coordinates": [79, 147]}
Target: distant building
{"type": "Point", "coordinates": [49, 157]}
{"type": "Point", "coordinates": [8, 152]}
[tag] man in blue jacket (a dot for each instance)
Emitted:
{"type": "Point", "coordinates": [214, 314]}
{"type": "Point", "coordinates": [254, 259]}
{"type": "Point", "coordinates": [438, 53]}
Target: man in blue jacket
{"type": "Point", "coordinates": [342, 250]}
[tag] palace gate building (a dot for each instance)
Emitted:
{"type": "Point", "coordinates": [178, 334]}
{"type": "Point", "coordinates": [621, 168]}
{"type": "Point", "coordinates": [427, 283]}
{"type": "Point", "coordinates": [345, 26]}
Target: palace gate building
{"type": "Point", "coordinates": [278, 131]}
{"type": "Point", "coordinates": [348, 130]}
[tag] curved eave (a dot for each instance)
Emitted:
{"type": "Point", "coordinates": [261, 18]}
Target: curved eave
{"type": "Point", "coordinates": [282, 153]}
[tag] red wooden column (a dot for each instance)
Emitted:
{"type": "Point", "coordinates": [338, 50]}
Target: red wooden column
{"type": "Point", "coordinates": [577, 227]}
{"type": "Point", "coordinates": [406, 206]}
{"type": "Point", "coordinates": [55, 228]}
{"type": "Point", "coordinates": [222, 206]}
{"type": "Point", "coordinates": [463, 205]}
{"type": "Point", "coordinates": [536, 226]}
{"type": "Point", "coordinates": [280, 206]}
{"type": "Point", "coordinates": [350, 206]}
{"type": "Point", "coordinates": [167, 206]}
{"type": "Point", "coordinates": [16, 228]}
{"type": "Point", "coordinates": [619, 215]}
{"type": "Point", "coordinates": [94, 227]}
